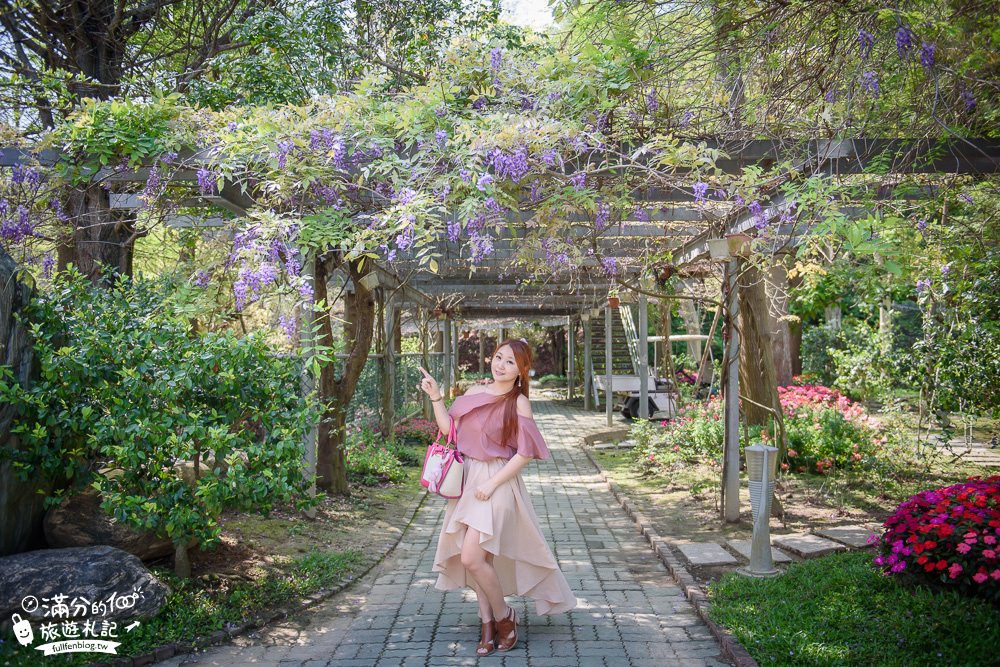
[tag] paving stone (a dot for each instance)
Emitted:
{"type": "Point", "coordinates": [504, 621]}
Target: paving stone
{"type": "Point", "coordinates": [742, 547]}
{"type": "Point", "coordinates": [807, 545]}
{"type": "Point", "coordinates": [630, 613]}
{"type": "Point", "coordinates": [706, 553]}
{"type": "Point", "coordinates": [853, 536]}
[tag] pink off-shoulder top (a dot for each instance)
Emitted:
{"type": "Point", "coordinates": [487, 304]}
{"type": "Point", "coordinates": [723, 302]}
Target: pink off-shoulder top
{"type": "Point", "coordinates": [479, 425]}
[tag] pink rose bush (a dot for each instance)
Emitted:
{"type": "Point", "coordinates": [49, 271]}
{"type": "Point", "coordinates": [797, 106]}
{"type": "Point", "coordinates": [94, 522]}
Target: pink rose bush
{"type": "Point", "coordinates": [947, 537]}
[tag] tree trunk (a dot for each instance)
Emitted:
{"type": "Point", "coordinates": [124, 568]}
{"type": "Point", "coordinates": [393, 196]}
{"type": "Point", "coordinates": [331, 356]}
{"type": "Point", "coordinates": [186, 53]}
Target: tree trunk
{"type": "Point", "coordinates": [331, 465]}
{"type": "Point", "coordinates": [757, 374]}
{"type": "Point", "coordinates": [692, 325]}
{"type": "Point", "coordinates": [103, 239]}
{"type": "Point", "coordinates": [781, 343]}
{"type": "Point", "coordinates": [667, 358]}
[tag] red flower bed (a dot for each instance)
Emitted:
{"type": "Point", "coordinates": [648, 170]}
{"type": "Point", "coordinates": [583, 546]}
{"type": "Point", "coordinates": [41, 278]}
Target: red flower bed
{"type": "Point", "coordinates": [948, 536]}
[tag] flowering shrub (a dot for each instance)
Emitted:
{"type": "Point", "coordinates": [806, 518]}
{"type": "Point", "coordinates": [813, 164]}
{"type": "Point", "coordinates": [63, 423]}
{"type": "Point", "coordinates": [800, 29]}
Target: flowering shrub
{"type": "Point", "coordinates": [949, 536]}
{"type": "Point", "coordinates": [416, 431]}
{"type": "Point", "coordinates": [825, 430]}
{"type": "Point", "coordinates": [371, 459]}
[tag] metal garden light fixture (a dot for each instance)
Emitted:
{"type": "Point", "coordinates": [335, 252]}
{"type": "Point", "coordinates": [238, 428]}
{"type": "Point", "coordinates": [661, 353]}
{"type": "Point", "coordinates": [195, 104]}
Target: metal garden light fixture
{"type": "Point", "coordinates": [761, 470]}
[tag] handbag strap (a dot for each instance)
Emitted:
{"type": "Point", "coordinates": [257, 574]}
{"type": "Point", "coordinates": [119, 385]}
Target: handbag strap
{"type": "Point", "coordinates": [452, 434]}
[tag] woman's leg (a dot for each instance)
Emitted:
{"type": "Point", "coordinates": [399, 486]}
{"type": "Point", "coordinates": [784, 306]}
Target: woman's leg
{"type": "Point", "coordinates": [474, 559]}
{"type": "Point", "coordinates": [485, 611]}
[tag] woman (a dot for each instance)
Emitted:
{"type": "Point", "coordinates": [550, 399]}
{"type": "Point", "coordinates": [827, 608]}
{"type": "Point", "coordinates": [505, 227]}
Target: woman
{"type": "Point", "coordinates": [491, 540]}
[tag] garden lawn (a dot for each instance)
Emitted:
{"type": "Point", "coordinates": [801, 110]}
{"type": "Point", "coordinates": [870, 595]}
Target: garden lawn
{"type": "Point", "coordinates": [839, 610]}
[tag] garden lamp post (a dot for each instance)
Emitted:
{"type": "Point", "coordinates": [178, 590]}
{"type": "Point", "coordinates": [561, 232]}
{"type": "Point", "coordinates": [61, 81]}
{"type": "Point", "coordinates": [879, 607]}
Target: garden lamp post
{"type": "Point", "coordinates": [761, 471]}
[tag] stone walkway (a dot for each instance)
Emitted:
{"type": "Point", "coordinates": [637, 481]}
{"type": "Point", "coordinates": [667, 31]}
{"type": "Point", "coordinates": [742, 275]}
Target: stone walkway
{"type": "Point", "coordinates": [630, 611]}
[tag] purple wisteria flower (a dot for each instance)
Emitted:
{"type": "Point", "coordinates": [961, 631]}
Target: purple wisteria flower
{"type": "Point", "coordinates": [496, 59]}
{"type": "Point", "coordinates": [441, 112]}
{"type": "Point", "coordinates": [579, 180]}
{"type": "Point", "coordinates": [700, 190]}
{"type": "Point", "coordinates": [284, 148]}
{"type": "Point", "coordinates": [923, 285]}
{"type": "Point", "coordinates": [652, 103]}
{"type": "Point", "coordinates": [405, 240]}
{"type": "Point", "coordinates": [555, 96]}
{"type": "Point", "coordinates": [922, 225]}
{"type": "Point", "coordinates": [231, 126]}
{"type": "Point", "coordinates": [866, 41]}
{"type": "Point", "coordinates": [202, 279]}
{"type": "Point", "coordinates": [968, 99]}
{"type": "Point", "coordinates": [441, 137]}
{"type": "Point", "coordinates": [480, 246]}
{"type": "Point", "coordinates": [550, 156]}
{"type": "Point", "coordinates": [927, 54]}
{"type": "Point", "coordinates": [454, 230]}
{"type": "Point", "coordinates": [602, 216]}
{"type": "Point", "coordinates": [465, 175]}
{"type": "Point", "coordinates": [686, 118]}
{"type": "Point", "coordinates": [48, 263]}
{"type": "Point", "coordinates": [966, 198]}
{"type": "Point", "coordinates": [290, 325]}
{"type": "Point", "coordinates": [58, 209]}
{"type": "Point", "coordinates": [18, 228]}
{"type": "Point", "coordinates": [945, 270]}
{"type": "Point", "coordinates": [610, 265]}
{"type": "Point", "coordinates": [513, 166]}
{"type": "Point", "coordinates": [905, 41]}
{"type": "Point", "coordinates": [206, 182]}
{"type": "Point", "coordinates": [484, 181]}
{"type": "Point", "coordinates": [407, 196]}
{"type": "Point", "coordinates": [479, 103]}
{"type": "Point", "coordinates": [869, 82]}
{"type": "Point", "coordinates": [640, 214]}
{"type": "Point", "coordinates": [830, 95]}
{"type": "Point", "coordinates": [536, 191]}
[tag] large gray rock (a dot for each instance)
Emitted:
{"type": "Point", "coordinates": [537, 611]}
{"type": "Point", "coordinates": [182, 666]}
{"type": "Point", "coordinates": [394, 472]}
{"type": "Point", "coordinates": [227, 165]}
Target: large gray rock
{"type": "Point", "coordinates": [96, 582]}
{"type": "Point", "coordinates": [21, 507]}
{"type": "Point", "coordinates": [79, 521]}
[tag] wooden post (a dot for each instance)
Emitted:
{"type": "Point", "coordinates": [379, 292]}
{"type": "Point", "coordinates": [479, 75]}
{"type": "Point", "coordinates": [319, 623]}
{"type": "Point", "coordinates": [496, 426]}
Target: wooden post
{"type": "Point", "coordinates": [390, 322]}
{"type": "Point", "coordinates": [781, 338]}
{"type": "Point", "coordinates": [731, 443]}
{"type": "Point", "coordinates": [570, 357]}
{"type": "Point", "coordinates": [643, 357]}
{"type": "Point", "coordinates": [307, 348]}
{"type": "Point", "coordinates": [446, 345]}
{"type": "Point", "coordinates": [588, 378]}
{"type": "Point", "coordinates": [692, 324]}
{"type": "Point", "coordinates": [425, 357]}
{"type": "Point", "coordinates": [608, 401]}
{"type": "Point", "coordinates": [482, 351]}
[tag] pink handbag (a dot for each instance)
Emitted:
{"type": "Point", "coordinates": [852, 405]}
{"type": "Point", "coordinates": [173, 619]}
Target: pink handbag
{"type": "Point", "coordinates": [443, 472]}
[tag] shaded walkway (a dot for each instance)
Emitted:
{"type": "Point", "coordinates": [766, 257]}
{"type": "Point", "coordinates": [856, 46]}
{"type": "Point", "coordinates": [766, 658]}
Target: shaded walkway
{"type": "Point", "coordinates": [630, 611]}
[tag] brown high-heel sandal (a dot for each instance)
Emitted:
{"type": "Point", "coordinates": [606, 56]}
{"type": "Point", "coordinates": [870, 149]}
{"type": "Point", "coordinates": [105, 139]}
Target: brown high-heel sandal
{"type": "Point", "coordinates": [507, 628]}
{"type": "Point", "coordinates": [487, 639]}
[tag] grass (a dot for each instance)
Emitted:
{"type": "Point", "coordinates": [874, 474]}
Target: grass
{"type": "Point", "coordinates": [264, 563]}
{"type": "Point", "coordinates": [839, 610]}
{"type": "Point", "coordinates": [194, 609]}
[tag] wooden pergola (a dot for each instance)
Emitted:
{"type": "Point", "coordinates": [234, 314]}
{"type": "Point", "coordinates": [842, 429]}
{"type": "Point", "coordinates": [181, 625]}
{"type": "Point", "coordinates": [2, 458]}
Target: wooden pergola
{"type": "Point", "coordinates": [494, 289]}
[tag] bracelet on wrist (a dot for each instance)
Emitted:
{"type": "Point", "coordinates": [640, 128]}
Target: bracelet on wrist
{"type": "Point", "coordinates": [439, 398]}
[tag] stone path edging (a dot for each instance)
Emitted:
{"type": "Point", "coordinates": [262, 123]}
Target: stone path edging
{"type": "Point", "coordinates": [662, 548]}
{"type": "Point", "coordinates": [179, 648]}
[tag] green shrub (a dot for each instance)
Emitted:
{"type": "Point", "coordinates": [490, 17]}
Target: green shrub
{"type": "Point", "coordinates": [127, 395]}
{"type": "Point", "coordinates": [371, 458]}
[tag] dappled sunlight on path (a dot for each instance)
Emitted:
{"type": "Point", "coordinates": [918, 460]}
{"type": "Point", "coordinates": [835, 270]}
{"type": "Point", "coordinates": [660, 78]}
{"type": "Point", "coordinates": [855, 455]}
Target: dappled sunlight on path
{"type": "Point", "coordinates": [630, 612]}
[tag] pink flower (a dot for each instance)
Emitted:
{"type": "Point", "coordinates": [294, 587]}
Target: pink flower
{"type": "Point", "coordinates": [792, 453]}
{"type": "Point", "coordinates": [989, 553]}
{"type": "Point", "coordinates": [995, 575]}
{"type": "Point", "coordinates": [954, 570]}
{"type": "Point", "coordinates": [989, 539]}
{"type": "Point", "coordinates": [963, 548]}
{"type": "Point", "coordinates": [980, 577]}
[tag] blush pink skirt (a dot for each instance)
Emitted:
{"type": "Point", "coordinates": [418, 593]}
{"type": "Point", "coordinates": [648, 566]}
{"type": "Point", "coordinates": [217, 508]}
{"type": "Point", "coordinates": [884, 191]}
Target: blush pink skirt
{"type": "Point", "coordinates": [510, 531]}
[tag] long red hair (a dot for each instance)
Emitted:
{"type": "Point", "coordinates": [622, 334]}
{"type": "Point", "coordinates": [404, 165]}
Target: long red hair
{"type": "Point", "coordinates": [522, 357]}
